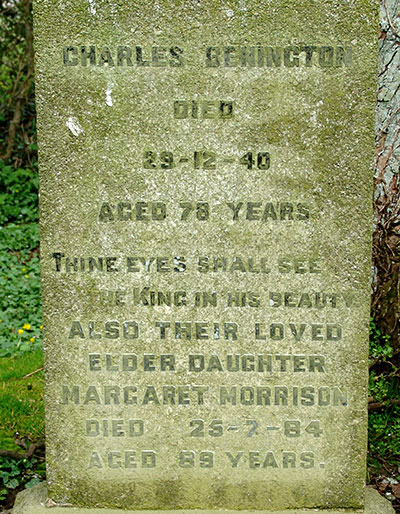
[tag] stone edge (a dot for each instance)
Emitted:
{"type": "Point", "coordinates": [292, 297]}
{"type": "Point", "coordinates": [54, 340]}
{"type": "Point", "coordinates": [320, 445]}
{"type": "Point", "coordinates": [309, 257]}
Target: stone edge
{"type": "Point", "coordinates": [35, 501]}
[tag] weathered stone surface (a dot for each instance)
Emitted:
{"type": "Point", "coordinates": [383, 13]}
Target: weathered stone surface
{"type": "Point", "coordinates": [34, 501]}
{"type": "Point", "coordinates": [205, 205]}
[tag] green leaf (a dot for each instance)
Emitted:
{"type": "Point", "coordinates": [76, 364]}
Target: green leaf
{"type": "Point", "coordinates": [12, 484]}
{"type": "Point", "coordinates": [32, 482]}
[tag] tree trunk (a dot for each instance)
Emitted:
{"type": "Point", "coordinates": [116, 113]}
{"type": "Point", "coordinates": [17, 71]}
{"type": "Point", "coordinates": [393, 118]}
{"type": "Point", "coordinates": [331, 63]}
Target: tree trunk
{"type": "Point", "coordinates": [386, 240]}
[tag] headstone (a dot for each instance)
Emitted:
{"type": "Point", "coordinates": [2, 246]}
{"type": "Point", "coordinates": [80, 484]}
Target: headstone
{"type": "Point", "coordinates": [205, 205]}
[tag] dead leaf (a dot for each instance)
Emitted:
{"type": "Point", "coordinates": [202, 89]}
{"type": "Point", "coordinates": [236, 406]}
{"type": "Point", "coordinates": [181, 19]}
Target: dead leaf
{"type": "Point", "coordinates": [396, 490]}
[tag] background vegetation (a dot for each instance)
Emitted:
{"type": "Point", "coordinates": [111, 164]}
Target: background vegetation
{"type": "Point", "coordinates": [21, 376]}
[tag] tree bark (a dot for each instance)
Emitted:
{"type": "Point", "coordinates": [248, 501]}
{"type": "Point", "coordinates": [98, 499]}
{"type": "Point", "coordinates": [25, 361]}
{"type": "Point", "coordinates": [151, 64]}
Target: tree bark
{"type": "Point", "coordinates": [386, 239]}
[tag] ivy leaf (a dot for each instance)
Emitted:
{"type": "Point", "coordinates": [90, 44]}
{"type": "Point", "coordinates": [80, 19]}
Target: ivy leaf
{"type": "Point", "coordinates": [32, 482]}
{"type": "Point", "coordinates": [12, 484]}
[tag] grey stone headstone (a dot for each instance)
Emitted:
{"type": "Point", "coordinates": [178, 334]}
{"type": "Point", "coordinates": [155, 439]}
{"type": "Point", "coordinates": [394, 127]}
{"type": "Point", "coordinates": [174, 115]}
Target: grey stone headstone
{"type": "Point", "coordinates": [205, 217]}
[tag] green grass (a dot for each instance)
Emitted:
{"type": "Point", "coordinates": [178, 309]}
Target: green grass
{"type": "Point", "coordinates": [22, 412]}
{"type": "Point", "coordinates": [21, 399]}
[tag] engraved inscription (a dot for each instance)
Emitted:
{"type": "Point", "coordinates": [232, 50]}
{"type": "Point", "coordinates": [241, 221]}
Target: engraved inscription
{"type": "Point", "coordinates": [207, 109]}
{"type": "Point", "coordinates": [291, 56]}
{"type": "Point", "coordinates": [204, 253]}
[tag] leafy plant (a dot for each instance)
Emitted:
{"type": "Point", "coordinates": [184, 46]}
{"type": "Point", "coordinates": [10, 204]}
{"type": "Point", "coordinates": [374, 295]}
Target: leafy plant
{"type": "Point", "coordinates": [18, 194]}
{"type": "Point", "coordinates": [379, 344]}
{"type": "Point", "coordinates": [20, 303]}
{"type": "Point", "coordinates": [20, 474]}
{"type": "Point", "coordinates": [384, 390]}
{"type": "Point", "coordinates": [17, 106]}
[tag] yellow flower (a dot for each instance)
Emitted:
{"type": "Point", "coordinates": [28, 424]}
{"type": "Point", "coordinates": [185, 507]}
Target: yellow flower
{"type": "Point", "coordinates": [32, 339]}
{"type": "Point", "coordinates": [26, 326]}
{"type": "Point", "coordinates": [26, 276]}
{"type": "Point", "coordinates": [23, 269]}
{"type": "Point", "coordinates": [20, 331]}
{"type": "Point", "coordinates": [41, 327]}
